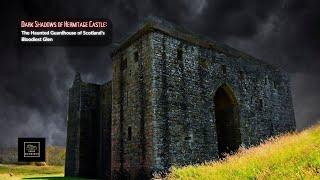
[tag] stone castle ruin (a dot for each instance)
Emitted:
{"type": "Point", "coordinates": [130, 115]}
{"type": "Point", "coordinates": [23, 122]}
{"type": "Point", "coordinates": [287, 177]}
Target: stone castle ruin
{"type": "Point", "coordinates": [175, 99]}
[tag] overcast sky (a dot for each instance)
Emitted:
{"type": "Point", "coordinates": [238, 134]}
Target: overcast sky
{"type": "Point", "coordinates": [34, 81]}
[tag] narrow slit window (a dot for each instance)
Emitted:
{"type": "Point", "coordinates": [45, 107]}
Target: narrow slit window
{"type": "Point", "coordinates": [224, 69]}
{"type": "Point", "coordinates": [123, 64]}
{"type": "Point", "coordinates": [127, 98]}
{"type": "Point", "coordinates": [274, 85]}
{"type": "Point", "coordinates": [242, 76]}
{"type": "Point", "coordinates": [136, 56]}
{"type": "Point", "coordinates": [179, 54]}
{"type": "Point", "coordinates": [129, 133]}
{"type": "Point", "coordinates": [260, 104]}
{"type": "Point", "coordinates": [266, 80]}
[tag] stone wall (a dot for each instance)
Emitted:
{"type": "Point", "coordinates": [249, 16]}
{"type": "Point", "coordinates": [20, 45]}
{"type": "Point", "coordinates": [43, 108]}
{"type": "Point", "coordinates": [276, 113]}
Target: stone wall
{"type": "Point", "coordinates": [185, 79]}
{"type": "Point", "coordinates": [89, 129]}
{"type": "Point", "coordinates": [73, 129]}
{"type": "Point", "coordinates": [132, 113]}
{"type": "Point", "coordinates": [163, 102]}
{"type": "Point", "coordinates": [104, 153]}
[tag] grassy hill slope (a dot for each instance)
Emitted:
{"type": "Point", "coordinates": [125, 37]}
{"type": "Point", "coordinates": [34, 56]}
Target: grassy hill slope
{"type": "Point", "coordinates": [13, 172]}
{"type": "Point", "coordinates": [291, 156]}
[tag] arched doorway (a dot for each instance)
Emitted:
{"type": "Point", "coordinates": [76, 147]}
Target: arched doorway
{"type": "Point", "coordinates": [227, 120]}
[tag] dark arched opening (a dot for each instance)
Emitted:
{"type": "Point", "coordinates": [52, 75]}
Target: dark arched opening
{"type": "Point", "coordinates": [227, 121]}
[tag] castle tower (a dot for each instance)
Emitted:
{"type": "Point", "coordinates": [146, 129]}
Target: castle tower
{"type": "Point", "coordinates": [180, 99]}
{"type": "Point", "coordinates": [73, 129]}
{"type": "Point", "coordinates": [89, 130]}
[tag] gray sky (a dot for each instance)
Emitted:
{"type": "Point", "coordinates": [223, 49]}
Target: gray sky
{"type": "Point", "coordinates": [34, 80]}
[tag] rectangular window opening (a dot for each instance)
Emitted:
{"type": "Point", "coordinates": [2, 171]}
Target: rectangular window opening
{"type": "Point", "coordinates": [266, 80]}
{"type": "Point", "coordinates": [224, 69]}
{"type": "Point", "coordinates": [179, 54]}
{"type": "Point", "coordinates": [123, 65]}
{"type": "Point", "coordinates": [242, 76]}
{"type": "Point", "coordinates": [136, 56]}
{"type": "Point", "coordinates": [127, 98]}
{"type": "Point", "coordinates": [260, 104]}
{"type": "Point", "coordinates": [129, 133]}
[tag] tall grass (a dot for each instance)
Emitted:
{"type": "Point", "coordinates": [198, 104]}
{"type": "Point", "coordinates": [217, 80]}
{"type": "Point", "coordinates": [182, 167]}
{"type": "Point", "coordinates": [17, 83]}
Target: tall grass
{"type": "Point", "coordinates": [291, 156]}
{"type": "Point", "coordinates": [55, 155]}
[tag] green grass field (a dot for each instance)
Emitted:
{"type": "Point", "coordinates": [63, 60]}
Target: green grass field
{"type": "Point", "coordinates": [291, 156]}
{"type": "Point", "coordinates": [26, 171]}
{"type": "Point", "coordinates": [15, 172]}
{"type": "Point", "coordinates": [55, 159]}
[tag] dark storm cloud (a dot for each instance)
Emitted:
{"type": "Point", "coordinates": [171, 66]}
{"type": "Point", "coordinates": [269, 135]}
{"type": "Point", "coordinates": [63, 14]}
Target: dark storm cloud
{"type": "Point", "coordinates": [34, 81]}
{"type": "Point", "coordinates": [32, 97]}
